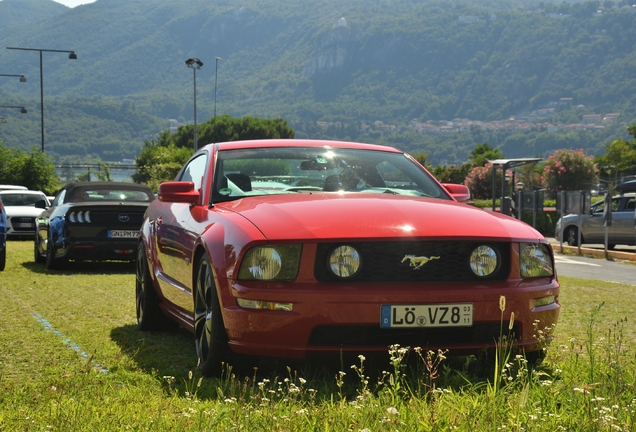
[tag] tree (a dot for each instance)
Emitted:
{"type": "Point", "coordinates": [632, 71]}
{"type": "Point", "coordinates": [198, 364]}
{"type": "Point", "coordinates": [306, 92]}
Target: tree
{"type": "Point", "coordinates": [620, 156]}
{"type": "Point", "coordinates": [35, 171]}
{"type": "Point", "coordinates": [158, 163]}
{"type": "Point", "coordinates": [452, 173]}
{"type": "Point", "coordinates": [161, 160]}
{"type": "Point", "coordinates": [482, 153]}
{"type": "Point", "coordinates": [569, 169]}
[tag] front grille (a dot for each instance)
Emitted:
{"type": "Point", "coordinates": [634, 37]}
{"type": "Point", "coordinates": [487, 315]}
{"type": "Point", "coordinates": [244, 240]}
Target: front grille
{"type": "Point", "coordinates": [385, 262]}
{"type": "Point", "coordinates": [374, 336]}
{"type": "Point", "coordinates": [22, 223]}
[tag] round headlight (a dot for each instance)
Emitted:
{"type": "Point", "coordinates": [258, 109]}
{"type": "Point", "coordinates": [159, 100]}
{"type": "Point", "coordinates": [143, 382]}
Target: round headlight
{"type": "Point", "coordinates": [483, 261]}
{"type": "Point", "coordinates": [344, 261]}
{"type": "Point", "coordinates": [264, 263]}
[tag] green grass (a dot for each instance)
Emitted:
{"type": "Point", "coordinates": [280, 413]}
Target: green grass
{"type": "Point", "coordinates": [71, 358]}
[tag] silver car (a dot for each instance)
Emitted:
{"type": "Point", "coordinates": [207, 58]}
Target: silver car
{"type": "Point", "coordinates": [593, 228]}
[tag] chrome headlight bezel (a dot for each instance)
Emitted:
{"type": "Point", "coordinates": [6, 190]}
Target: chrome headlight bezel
{"type": "Point", "coordinates": [344, 262]}
{"type": "Point", "coordinates": [271, 263]}
{"type": "Point", "coordinates": [535, 260]}
{"type": "Point", "coordinates": [485, 261]}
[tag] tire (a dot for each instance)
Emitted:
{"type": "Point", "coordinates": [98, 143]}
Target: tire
{"type": "Point", "coordinates": [149, 314]}
{"type": "Point", "coordinates": [37, 256]}
{"type": "Point", "coordinates": [3, 258]}
{"type": "Point", "coordinates": [210, 339]}
{"type": "Point", "coordinates": [535, 358]}
{"type": "Point", "coordinates": [53, 263]}
{"type": "Point", "coordinates": [571, 236]}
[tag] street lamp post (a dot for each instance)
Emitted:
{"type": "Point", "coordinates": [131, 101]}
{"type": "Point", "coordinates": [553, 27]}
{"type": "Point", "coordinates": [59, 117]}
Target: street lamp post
{"type": "Point", "coordinates": [216, 74]}
{"type": "Point", "coordinates": [71, 56]}
{"type": "Point", "coordinates": [195, 64]}
{"type": "Point", "coordinates": [21, 108]}
{"type": "Point", "coordinates": [22, 77]}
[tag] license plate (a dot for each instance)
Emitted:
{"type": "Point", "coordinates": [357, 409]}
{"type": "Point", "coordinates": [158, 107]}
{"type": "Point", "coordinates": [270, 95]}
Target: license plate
{"type": "Point", "coordinates": [122, 234]}
{"type": "Point", "coordinates": [25, 225]}
{"type": "Point", "coordinates": [436, 315]}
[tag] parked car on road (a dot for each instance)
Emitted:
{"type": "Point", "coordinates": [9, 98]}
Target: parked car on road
{"type": "Point", "coordinates": [592, 224]}
{"type": "Point", "coordinates": [12, 187]}
{"type": "Point", "coordinates": [91, 221]}
{"type": "Point", "coordinates": [21, 211]}
{"type": "Point", "coordinates": [3, 236]}
{"type": "Point", "coordinates": [348, 248]}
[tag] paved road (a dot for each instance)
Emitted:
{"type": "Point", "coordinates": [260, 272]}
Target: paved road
{"type": "Point", "coordinates": [595, 268]}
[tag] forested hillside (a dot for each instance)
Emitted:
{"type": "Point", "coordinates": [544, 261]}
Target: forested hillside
{"type": "Point", "coordinates": [15, 14]}
{"type": "Point", "coordinates": [364, 69]}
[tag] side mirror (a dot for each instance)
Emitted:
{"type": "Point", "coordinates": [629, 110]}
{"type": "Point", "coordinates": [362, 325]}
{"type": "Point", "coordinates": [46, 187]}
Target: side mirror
{"type": "Point", "coordinates": [460, 192]}
{"type": "Point", "coordinates": [178, 192]}
{"type": "Point", "coordinates": [40, 204]}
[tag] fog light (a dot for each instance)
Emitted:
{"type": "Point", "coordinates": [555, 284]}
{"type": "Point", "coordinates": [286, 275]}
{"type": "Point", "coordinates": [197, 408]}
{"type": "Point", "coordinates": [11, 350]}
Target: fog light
{"type": "Point", "coordinates": [344, 261]}
{"type": "Point", "coordinates": [264, 305]}
{"type": "Point", "coordinates": [484, 261]}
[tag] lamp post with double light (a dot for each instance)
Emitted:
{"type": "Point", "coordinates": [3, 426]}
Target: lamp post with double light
{"type": "Point", "coordinates": [195, 64]}
{"type": "Point", "coordinates": [71, 55]}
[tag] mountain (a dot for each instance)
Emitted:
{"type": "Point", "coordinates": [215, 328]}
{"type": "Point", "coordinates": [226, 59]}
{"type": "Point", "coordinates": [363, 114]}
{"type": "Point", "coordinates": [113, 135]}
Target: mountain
{"type": "Point", "coordinates": [15, 14]}
{"type": "Point", "coordinates": [347, 65]}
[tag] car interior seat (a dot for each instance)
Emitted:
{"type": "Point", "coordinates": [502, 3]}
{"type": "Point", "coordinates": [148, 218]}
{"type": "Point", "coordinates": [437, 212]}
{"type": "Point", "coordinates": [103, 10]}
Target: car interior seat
{"type": "Point", "coordinates": [332, 183]}
{"type": "Point", "coordinates": [241, 180]}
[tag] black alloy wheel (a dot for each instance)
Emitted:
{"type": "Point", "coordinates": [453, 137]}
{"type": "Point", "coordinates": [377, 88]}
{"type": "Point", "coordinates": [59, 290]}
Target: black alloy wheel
{"type": "Point", "coordinates": [37, 256]}
{"type": "Point", "coordinates": [52, 262]}
{"type": "Point", "coordinates": [209, 332]}
{"type": "Point", "coordinates": [149, 314]}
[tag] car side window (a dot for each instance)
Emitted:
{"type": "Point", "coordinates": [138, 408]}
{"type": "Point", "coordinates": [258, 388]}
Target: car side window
{"type": "Point", "coordinates": [630, 205]}
{"type": "Point", "coordinates": [600, 207]}
{"type": "Point", "coordinates": [194, 171]}
{"type": "Point", "coordinates": [59, 199]}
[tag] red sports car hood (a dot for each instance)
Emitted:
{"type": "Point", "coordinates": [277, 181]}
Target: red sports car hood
{"type": "Point", "coordinates": [374, 216]}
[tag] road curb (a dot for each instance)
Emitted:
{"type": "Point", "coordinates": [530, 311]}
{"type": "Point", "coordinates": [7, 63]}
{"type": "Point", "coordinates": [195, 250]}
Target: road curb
{"type": "Point", "coordinates": [596, 253]}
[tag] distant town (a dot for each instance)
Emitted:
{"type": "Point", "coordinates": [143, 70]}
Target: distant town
{"type": "Point", "coordinates": [535, 121]}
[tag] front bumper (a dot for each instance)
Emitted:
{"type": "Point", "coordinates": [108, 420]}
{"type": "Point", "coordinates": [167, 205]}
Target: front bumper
{"type": "Point", "coordinates": [346, 319]}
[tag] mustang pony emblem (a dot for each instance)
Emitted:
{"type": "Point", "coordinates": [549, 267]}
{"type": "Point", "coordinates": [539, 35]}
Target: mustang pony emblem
{"type": "Point", "coordinates": [417, 262]}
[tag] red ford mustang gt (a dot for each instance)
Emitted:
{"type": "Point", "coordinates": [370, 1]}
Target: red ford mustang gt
{"type": "Point", "coordinates": [286, 248]}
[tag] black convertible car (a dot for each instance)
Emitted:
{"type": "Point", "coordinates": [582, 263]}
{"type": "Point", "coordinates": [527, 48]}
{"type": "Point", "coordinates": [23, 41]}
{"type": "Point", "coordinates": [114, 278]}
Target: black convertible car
{"type": "Point", "coordinates": [91, 221]}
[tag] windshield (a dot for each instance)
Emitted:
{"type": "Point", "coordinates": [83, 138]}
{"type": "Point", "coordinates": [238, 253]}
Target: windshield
{"type": "Point", "coordinates": [267, 171]}
{"type": "Point", "coordinates": [24, 200]}
{"type": "Point", "coordinates": [123, 194]}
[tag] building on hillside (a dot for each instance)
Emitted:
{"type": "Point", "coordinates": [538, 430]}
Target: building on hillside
{"type": "Point", "coordinates": [592, 118]}
{"type": "Point", "coordinates": [611, 118]}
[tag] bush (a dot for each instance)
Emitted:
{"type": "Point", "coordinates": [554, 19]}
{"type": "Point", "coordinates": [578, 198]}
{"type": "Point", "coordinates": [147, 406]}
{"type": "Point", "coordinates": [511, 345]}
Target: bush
{"type": "Point", "coordinates": [569, 169]}
{"type": "Point", "coordinates": [479, 181]}
{"type": "Point", "coordinates": [35, 171]}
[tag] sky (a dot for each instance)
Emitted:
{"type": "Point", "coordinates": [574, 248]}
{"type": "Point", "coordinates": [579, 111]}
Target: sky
{"type": "Point", "coordinates": [73, 3]}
